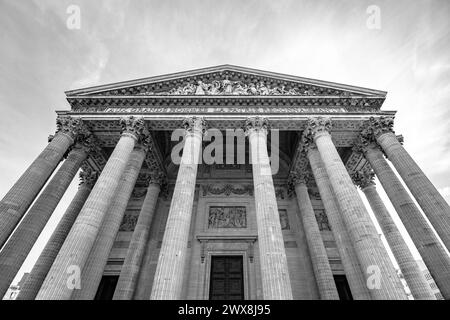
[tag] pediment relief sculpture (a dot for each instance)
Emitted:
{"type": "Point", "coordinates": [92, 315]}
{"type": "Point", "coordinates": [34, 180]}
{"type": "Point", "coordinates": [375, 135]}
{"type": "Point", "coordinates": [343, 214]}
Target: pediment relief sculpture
{"type": "Point", "coordinates": [240, 88]}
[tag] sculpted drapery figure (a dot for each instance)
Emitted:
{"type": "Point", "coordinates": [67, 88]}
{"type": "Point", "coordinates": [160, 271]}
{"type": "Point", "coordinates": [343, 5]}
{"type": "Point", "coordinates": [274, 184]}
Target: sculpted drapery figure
{"type": "Point", "coordinates": [229, 87]}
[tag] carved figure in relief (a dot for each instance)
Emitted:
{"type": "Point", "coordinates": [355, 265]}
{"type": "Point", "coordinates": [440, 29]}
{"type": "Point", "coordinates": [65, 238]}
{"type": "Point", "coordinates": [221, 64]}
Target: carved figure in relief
{"type": "Point", "coordinates": [284, 220]}
{"type": "Point", "coordinates": [239, 89]}
{"type": "Point", "coordinates": [200, 86]}
{"type": "Point", "coordinates": [252, 89]}
{"type": "Point", "coordinates": [263, 90]}
{"type": "Point", "coordinates": [227, 217]}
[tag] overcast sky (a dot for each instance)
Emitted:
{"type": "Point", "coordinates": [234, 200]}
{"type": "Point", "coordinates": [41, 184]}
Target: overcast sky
{"type": "Point", "coordinates": [40, 58]}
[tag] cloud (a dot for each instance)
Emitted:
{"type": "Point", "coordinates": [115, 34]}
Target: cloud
{"type": "Point", "coordinates": [445, 193]}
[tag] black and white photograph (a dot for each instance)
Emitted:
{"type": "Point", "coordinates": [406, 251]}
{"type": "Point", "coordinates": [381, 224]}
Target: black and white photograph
{"type": "Point", "coordinates": [246, 151]}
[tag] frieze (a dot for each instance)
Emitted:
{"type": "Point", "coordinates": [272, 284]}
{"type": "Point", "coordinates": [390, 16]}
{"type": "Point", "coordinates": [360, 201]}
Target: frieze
{"type": "Point", "coordinates": [227, 190]}
{"type": "Point", "coordinates": [344, 128]}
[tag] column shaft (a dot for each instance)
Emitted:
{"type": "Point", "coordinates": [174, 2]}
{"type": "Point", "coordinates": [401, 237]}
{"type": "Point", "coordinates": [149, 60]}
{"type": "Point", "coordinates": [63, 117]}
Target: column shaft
{"type": "Point", "coordinates": [274, 270]}
{"type": "Point", "coordinates": [419, 286]}
{"type": "Point", "coordinates": [349, 259]}
{"type": "Point", "coordinates": [319, 257]}
{"type": "Point", "coordinates": [40, 269]}
{"type": "Point", "coordinates": [427, 243]}
{"type": "Point", "coordinates": [372, 254]}
{"type": "Point", "coordinates": [75, 250]}
{"type": "Point", "coordinates": [18, 246]}
{"type": "Point", "coordinates": [430, 200]}
{"type": "Point", "coordinates": [131, 267]}
{"type": "Point", "coordinates": [92, 272]}
{"type": "Point", "coordinates": [169, 273]}
{"type": "Point", "coordinates": [16, 202]}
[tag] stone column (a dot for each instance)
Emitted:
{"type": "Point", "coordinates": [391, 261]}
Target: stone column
{"type": "Point", "coordinates": [62, 278]}
{"type": "Point", "coordinates": [349, 260]}
{"type": "Point", "coordinates": [321, 265]}
{"type": "Point", "coordinates": [16, 202]}
{"type": "Point", "coordinates": [430, 200]}
{"type": "Point", "coordinates": [431, 250]}
{"type": "Point", "coordinates": [98, 257]}
{"type": "Point", "coordinates": [382, 279]}
{"type": "Point", "coordinates": [131, 267]}
{"type": "Point", "coordinates": [169, 273]}
{"type": "Point", "coordinates": [274, 270]}
{"type": "Point", "coordinates": [18, 246]}
{"type": "Point", "coordinates": [414, 277]}
{"type": "Point", "coordinates": [30, 288]}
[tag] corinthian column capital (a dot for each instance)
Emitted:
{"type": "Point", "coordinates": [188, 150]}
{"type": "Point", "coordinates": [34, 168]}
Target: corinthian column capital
{"type": "Point", "coordinates": [134, 127]}
{"type": "Point", "coordinates": [70, 126]}
{"type": "Point", "coordinates": [315, 126]}
{"type": "Point", "coordinates": [375, 127]}
{"type": "Point", "coordinates": [256, 124]}
{"type": "Point", "coordinates": [194, 124]}
{"type": "Point", "coordinates": [363, 178]}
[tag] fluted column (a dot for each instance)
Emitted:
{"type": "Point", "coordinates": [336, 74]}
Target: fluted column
{"type": "Point", "coordinates": [429, 198]}
{"type": "Point", "coordinates": [414, 277]}
{"type": "Point", "coordinates": [98, 257]}
{"type": "Point", "coordinates": [16, 249]}
{"type": "Point", "coordinates": [16, 202]}
{"type": "Point", "coordinates": [129, 274]}
{"type": "Point", "coordinates": [321, 265]}
{"type": "Point", "coordinates": [355, 277]}
{"type": "Point", "coordinates": [169, 273]}
{"type": "Point", "coordinates": [372, 255]}
{"type": "Point", "coordinates": [276, 283]}
{"type": "Point", "coordinates": [75, 250]}
{"type": "Point", "coordinates": [431, 250]}
{"type": "Point", "coordinates": [32, 284]}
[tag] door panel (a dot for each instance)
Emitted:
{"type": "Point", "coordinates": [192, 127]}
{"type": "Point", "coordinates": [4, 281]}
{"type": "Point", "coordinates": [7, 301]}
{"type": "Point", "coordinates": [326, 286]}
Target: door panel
{"type": "Point", "coordinates": [227, 278]}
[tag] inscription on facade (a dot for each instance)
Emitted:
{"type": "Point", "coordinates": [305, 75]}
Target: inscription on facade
{"type": "Point", "coordinates": [185, 110]}
{"type": "Point", "coordinates": [227, 217]}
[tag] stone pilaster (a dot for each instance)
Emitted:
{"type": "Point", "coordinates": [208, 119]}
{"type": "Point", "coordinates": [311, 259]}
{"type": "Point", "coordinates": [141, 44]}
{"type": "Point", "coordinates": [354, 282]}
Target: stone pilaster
{"type": "Point", "coordinates": [16, 202]}
{"type": "Point", "coordinates": [321, 265]}
{"type": "Point", "coordinates": [18, 246]}
{"type": "Point", "coordinates": [98, 257]}
{"type": "Point", "coordinates": [274, 270]}
{"type": "Point", "coordinates": [349, 259]}
{"type": "Point", "coordinates": [129, 274]}
{"type": "Point", "coordinates": [414, 277]}
{"type": "Point", "coordinates": [382, 280]}
{"type": "Point", "coordinates": [429, 198]}
{"type": "Point", "coordinates": [431, 250]}
{"type": "Point", "coordinates": [74, 253]}
{"type": "Point", "coordinates": [31, 286]}
{"type": "Point", "coordinates": [169, 273]}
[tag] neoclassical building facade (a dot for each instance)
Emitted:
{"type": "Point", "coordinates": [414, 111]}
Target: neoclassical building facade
{"type": "Point", "coordinates": [280, 217]}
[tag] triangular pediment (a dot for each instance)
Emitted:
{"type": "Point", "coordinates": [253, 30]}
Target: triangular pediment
{"type": "Point", "coordinates": [225, 80]}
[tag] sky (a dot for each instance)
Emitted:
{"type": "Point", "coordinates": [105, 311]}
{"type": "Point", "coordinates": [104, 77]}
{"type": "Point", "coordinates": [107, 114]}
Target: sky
{"type": "Point", "coordinates": [405, 52]}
